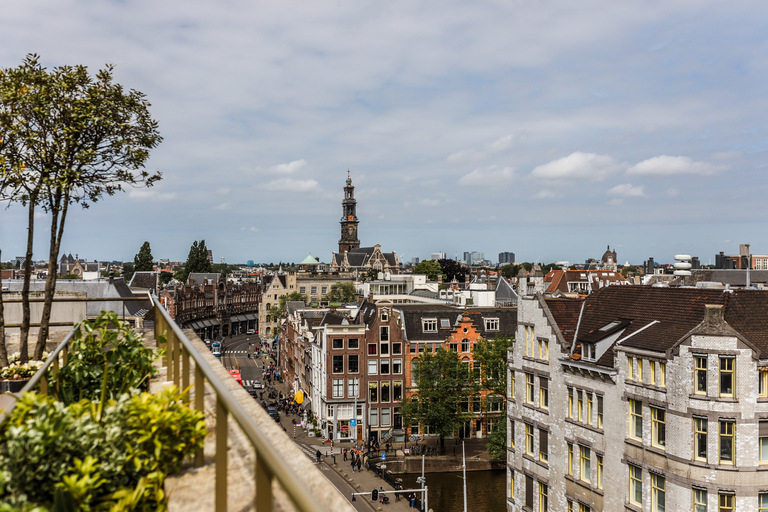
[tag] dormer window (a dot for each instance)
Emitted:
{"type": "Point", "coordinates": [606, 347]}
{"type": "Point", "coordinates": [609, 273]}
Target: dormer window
{"type": "Point", "coordinates": [588, 351]}
{"type": "Point", "coordinates": [491, 324]}
{"type": "Point", "coordinates": [385, 316]}
{"type": "Point", "coordinates": [610, 326]}
{"type": "Point", "coordinates": [445, 323]}
{"type": "Point", "coordinates": [429, 324]}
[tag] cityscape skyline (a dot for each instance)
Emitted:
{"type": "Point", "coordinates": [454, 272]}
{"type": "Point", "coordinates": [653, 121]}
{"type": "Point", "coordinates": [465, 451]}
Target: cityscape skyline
{"type": "Point", "coordinates": [550, 131]}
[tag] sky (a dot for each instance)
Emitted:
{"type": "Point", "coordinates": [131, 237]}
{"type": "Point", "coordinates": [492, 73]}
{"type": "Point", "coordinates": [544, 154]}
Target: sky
{"type": "Point", "coordinates": [550, 129]}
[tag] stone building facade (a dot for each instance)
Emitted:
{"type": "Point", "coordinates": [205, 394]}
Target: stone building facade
{"type": "Point", "coordinates": [640, 399]}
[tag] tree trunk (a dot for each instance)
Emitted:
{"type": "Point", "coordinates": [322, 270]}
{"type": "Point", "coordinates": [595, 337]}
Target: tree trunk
{"type": "Point", "coordinates": [3, 348]}
{"type": "Point", "coordinates": [57, 231]}
{"type": "Point", "coordinates": [25, 321]}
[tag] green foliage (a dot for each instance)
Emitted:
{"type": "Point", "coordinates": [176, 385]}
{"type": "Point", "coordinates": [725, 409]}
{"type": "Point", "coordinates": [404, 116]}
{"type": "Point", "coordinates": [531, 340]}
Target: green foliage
{"type": "Point", "coordinates": [128, 270]}
{"type": "Point", "coordinates": [492, 355]}
{"type": "Point", "coordinates": [453, 269]}
{"type": "Point", "coordinates": [430, 268]}
{"type": "Point", "coordinates": [341, 292]}
{"type": "Point", "coordinates": [104, 350]}
{"type": "Point", "coordinates": [497, 441]}
{"type": "Point", "coordinates": [443, 384]}
{"type": "Point", "coordinates": [165, 277]}
{"type": "Point", "coordinates": [142, 261]}
{"type": "Point", "coordinates": [53, 454]}
{"type": "Point", "coordinates": [197, 260]}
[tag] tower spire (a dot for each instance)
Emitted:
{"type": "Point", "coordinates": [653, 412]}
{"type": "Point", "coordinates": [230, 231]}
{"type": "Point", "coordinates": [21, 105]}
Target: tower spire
{"type": "Point", "coordinates": [349, 220]}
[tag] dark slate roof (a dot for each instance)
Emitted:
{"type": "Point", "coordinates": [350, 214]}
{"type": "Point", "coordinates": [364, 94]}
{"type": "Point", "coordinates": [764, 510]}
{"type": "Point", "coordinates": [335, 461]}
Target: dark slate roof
{"type": "Point", "coordinates": [747, 312]}
{"type": "Point", "coordinates": [360, 256]}
{"type": "Point", "coordinates": [334, 317]}
{"type": "Point", "coordinates": [200, 277]}
{"type": "Point", "coordinates": [144, 279]}
{"type": "Point", "coordinates": [367, 313]}
{"type": "Point", "coordinates": [413, 313]}
{"type": "Point", "coordinates": [566, 315]}
{"type": "Point", "coordinates": [507, 320]}
{"type": "Point", "coordinates": [293, 305]}
{"type": "Point", "coordinates": [729, 277]}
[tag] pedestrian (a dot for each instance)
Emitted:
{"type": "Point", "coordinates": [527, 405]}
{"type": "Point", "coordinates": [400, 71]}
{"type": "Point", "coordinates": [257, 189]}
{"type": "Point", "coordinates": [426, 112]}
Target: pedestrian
{"type": "Point", "coordinates": [412, 500]}
{"type": "Point", "coordinates": [345, 454]}
{"type": "Point", "coordinates": [353, 464]}
{"type": "Point", "coordinates": [359, 464]}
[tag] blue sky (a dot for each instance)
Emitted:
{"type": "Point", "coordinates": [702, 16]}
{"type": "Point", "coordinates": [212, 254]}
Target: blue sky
{"type": "Point", "coordinates": [550, 129]}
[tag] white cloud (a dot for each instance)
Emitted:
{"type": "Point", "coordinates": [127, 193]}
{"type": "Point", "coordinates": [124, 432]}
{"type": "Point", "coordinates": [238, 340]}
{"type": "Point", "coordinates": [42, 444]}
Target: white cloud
{"type": "Point", "coordinates": [254, 229]}
{"type": "Point", "coordinates": [288, 168]}
{"type": "Point", "coordinates": [146, 194]}
{"type": "Point", "coordinates": [665, 165]}
{"type": "Point", "coordinates": [287, 184]}
{"type": "Point", "coordinates": [627, 190]}
{"type": "Point", "coordinates": [223, 206]}
{"type": "Point", "coordinates": [547, 194]}
{"type": "Point", "coordinates": [578, 166]}
{"type": "Point", "coordinates": [488, 176]}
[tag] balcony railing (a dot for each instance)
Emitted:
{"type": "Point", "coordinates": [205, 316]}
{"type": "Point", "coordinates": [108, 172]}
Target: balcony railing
{"type": "Point", "coordinates": [180, 354]}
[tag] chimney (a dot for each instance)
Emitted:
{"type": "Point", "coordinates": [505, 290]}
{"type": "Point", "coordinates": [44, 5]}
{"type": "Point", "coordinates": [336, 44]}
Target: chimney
{"type": "Point", "coordinates": [714, 315]}
{"type": "Point", "coordinates": [466, 279]}
{"type": "Point", "coordinates": [440, 279]}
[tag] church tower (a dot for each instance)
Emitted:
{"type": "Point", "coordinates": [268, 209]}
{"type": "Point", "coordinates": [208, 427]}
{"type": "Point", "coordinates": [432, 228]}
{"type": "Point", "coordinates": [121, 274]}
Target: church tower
{"type": "Point", "coordinates": [349, 220]}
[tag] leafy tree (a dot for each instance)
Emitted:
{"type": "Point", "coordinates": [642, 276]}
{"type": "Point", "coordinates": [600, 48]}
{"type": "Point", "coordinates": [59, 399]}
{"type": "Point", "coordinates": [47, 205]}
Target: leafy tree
{"type": "Point", "coordinates": [550, 266]}
{"type": "Point", "coordinates": [510, 271]}
{"type": "Point", "coordinates": [492, 356]}
{"type": "Point", "coordinates": [128, 271]}
{"type": "Point", "coordinates": [443, 384]}
{"type": "Point", "coordinates": [453, 269]}
{"type": "Point", "coordinates": [166, 277]}
{"type": "Point", "coordinates": [197, 260]}
{"type": "Point", "coordinates": [430, 268]}
{"type": "Point", "coordinates": [279, 310]}
{"type": "Point", "coordinates": [371, 275]}
{"type": "Point", "coordinates": [67, 137]}
{"type": "Point", "coordinates": [341, 292]}
{"type": "Point", "coordinates": [143, 261]}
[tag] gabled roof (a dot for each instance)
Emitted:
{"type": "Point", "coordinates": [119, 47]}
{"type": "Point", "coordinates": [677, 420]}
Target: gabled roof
{"type": "Point", "coordinates": [144, 279]}
{"type": "Point", "coordinates": [565, 313]}
{"type": "Point", "coordinates": [412, 315]}
{"type": "Point", "coordinates": [200, 277]}
{"type": "Point", "coordinates": [309, 260]}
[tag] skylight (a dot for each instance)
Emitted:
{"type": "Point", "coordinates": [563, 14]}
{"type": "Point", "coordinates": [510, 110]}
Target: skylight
{"type": "Point", "coordinates": [609, 326]}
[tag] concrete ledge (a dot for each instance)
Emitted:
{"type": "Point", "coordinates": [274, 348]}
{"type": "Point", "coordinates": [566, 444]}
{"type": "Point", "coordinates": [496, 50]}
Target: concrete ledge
{"type": "Point", "coordinates": [193, 489]}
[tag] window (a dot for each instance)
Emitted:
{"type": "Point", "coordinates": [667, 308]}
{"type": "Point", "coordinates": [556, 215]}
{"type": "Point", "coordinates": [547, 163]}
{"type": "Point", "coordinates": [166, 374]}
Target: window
{"type": "Point", "coordinates": [700, 374]}
{"type": "Point", "coordinates": [635, 485]}
{"type": "Point", "coordinates": [635, 419]}
{"type": "Point", "coordinates": [373, 367]}
{"type": "Point", "coordinates": [763, 441]}
{"type": "Point", "coordinates": [465, 345]}
{"type": "Point", "coordinates": [640, 370]}
{"type": "Point", "coordinates": [385, 315]}
{"type": "Point", "coordinates": [512, 385]}
{"type": "Point", "coordinates": [543, 445]}
{"type": "Point", "coordinates": [385, 392]}
{"type": "Point", "coordinates": [384, 349]}
{"type": "Point", "coordinates": [570, 459]}
{"type": "Point", "coordinates": [726, 376]}
{"type": "Point", "coordinates": [302, 290]}
{"type": "Point", "coordinates": [699, 500]}
{"type": "Point", "coordinates": [352, 363]}
{"type": "Point", "coordinates": [762, 502]}
{"type": "Point", "coordinates": [658, 427]}
{"type": "Point", "coordinates": [353, 344]}
{"type": "Point", "coordinates": [725, 503]}
{"type": "Point", "coordinates": [529, 340]}
{"type": "Point", "coordinates": [700, 439]}
{"type": "Point", "coordinates": [385, 366]}
{"type": "Point", "coordinates": [543, 500]}
{"type": "Point", "coordinates": [663, 375]}
{"type": "Point", "coordinates": [324, 290]}
{"type": "Point", "coordinates": [529, 388]}
{"type": "Point", "coordinates": [397, 348]}
{"type": "Point", "coordinates": [338, 388]}
{"type": "Point", "coordinates": [397, 366]}
{"type": "Point", "coordinates": [383, 331]}
{"type": "Point", "coordinates": [414, 372]}
{"type": "Point", "coordinates": [511, 484]}
{"type": "Point", "coordinates": [599, 471]}
{"type": "Point", "coordinates": [512, 434]}
{"type": "Point", "coordinates": [652, 365]}
{"type": "Point", "coordinates": [454, 347]}
{"type": "Point", "coordinates": [338, 364]}
{"type": "Point", "coordinates": [353, 388]}
{"type": "Point", "coordinates": [583, 508]}
{"type": "Point", "coordinates": [429, 324]}
{"type": "Point", "coordinates": [445, 323]}
{"type": "Point", "coordinates": [580, 406]}
{"type": "Point", "coordinates": [529, 492]}
{"type": "Point", "coordinates": [544, 349]}
{"type": "Point", "coordinates": [630, 368]}
{"type": "Point", "coordinates": [374, 420]}
{"type": "Point", "coordinates": [588, 351]}
{"type": "Point", "coordinates": [726, 442]}
{"type": "Point", "coordinates": [373, 392]}
{"type": "Point", "coordinates": [543, 393]}
{"type": "Point", "coordinates": [589, 408]}
{"type": "Point", "coordinates": [372, 349]}
{"type": "Point", "coordinates": [599, 411]}
{"type": "Point", "coordinates": [586, 464]}
{"type": "Point", "coordinates": [658, 494]}
{"type": "Point", "coordinates": [491, 324]}
{"type": "Point", "coordinates": [397, 390]}
{"type": "Point", "coordinates": [313, 290]}
{"type": "Point", "coordinates": [495, 403]}
{"type": "Point", "coordinates": [570, 403]}
{"type": "Point", "coordinates": [529, 439]}
{"type": "Point", "coordinates": [386, 418]}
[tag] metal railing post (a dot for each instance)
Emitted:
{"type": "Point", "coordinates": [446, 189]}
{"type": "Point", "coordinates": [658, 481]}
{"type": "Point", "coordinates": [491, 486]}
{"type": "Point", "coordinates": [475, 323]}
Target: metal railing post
{"type": "Point", "coordinates": [221, 456]}
{"type": "Point", "coordinates": [185, 372]}
{"type": "Point", "coordinates": [176, 360]}
{"type": "Point", "coordinates": [199, 406]}
{"type": "Point", "coordinates": [263, 485]}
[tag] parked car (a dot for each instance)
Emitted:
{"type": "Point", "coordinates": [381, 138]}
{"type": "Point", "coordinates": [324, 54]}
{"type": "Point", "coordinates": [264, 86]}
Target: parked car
{"type": "Point", "coordinates": [258, 385]}
{"type": "Point", "coordinates": [251, 331]}
{"type": "Point", "coordinates": [273, 413]}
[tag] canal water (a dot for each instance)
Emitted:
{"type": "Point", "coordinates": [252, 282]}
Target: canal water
{"type": "Point", "coordinates": [485, 490]}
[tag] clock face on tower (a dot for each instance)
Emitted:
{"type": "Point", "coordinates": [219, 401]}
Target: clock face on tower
{"type": "Point", "coordinates": [351, 231]}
